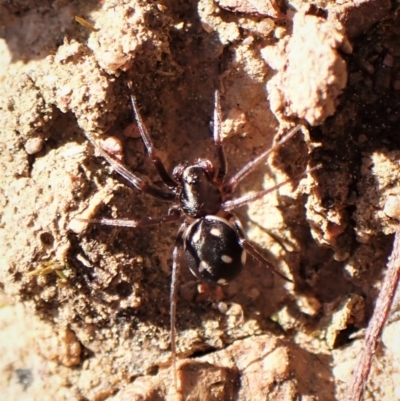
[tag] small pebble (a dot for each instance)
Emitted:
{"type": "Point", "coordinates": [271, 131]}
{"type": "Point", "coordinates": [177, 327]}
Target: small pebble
{"type": "Point", "coordinates": [388, 60]}
{"type": "Point", "coordinates": [392, 206]}
{"type": "Point", "coordinates": [113, 146]}
{"type": "Point", "coordinates": [368, 67]}
{"type": "Point", "coordinates": [280, 32]}
{"type": "Point", "coordinates": [222, 307]}
{"type": "Point", "coordinates": [34, 145]}
{"type": "Point", "coordinates": [248, 41]}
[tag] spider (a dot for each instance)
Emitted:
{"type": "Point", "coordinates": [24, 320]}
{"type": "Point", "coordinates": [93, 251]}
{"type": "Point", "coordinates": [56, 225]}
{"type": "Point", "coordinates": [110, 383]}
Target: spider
{"type": "Point", "coordinates": [210, 240]}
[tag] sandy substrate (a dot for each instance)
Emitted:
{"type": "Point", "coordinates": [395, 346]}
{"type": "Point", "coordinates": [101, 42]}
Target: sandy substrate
{"type": "Point", "coordinates": [85, 308]}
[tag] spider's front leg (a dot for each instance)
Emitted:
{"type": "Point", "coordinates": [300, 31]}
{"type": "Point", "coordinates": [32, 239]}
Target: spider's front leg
{"type": "Point", "coordinates": [173, 215]}
{"type": "Point", "coordinates": [151, 150]}
{"type": "Point", "coordinates": [129, 176]}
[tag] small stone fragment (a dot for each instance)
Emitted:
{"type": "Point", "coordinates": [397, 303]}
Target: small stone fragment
{"type": "Point", "coordinates": [392, 206]}
{"type": "Point", "coordinates": [34, 145]}
{"type": "Point", "coordinates": [311, 74]}
{"type": "Point", "coordinates": [113, 146]}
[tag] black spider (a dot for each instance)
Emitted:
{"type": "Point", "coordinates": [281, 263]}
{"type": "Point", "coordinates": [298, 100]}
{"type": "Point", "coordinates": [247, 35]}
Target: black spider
{"type": "Point", "coordinates": [211, 238]}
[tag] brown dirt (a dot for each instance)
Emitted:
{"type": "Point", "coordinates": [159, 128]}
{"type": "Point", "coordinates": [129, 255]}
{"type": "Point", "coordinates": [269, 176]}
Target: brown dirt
{"type": "Point", "coordinates": [85, 310]}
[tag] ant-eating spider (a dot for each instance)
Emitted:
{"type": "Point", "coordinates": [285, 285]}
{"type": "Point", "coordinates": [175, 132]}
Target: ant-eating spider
{"type": "Point", "coordinates": [210, 239]}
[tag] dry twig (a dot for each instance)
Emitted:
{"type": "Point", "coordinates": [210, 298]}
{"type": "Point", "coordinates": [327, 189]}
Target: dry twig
{"type": "Point", "coordinates": [377, 322]}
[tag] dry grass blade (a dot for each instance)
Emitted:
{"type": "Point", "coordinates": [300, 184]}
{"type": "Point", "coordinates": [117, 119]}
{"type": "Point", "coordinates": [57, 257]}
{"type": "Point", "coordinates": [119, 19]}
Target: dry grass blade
{"type": "Point", "coordinates": [377, 322]}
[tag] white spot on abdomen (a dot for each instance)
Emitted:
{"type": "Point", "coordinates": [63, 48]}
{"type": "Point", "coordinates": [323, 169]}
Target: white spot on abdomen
{"type": "Point", "coordinates": [216, 232]}
{"type": "Point", "coordinates": [204, 266]}
{"type": "Point", "coordinates": [226, 259]}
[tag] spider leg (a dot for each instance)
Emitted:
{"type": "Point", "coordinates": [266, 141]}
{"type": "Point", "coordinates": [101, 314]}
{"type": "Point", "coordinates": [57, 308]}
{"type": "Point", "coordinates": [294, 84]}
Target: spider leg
{"type": "Point", "coordinates": [232, 183]}
{"type": "Point", "coordinates": [217, 134]}
{"type": "Point", "coordinates": [246, 245]}
{"type": "Point", "coordinates": [132, 178]}
{"type": "Point", "coordinates": [147, 221]}
{"type": "Point", "coordinates": [176, 265]}
{"type": "Point", "coordinates": [246, 199]}
{"type": "Point", "coordinates": [151, 151]}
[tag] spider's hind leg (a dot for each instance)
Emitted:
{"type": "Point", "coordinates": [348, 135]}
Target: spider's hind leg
{"type": "Point", "coordinates": [176, 266]}
{"type": "Point", "coordinates": [249, 248]}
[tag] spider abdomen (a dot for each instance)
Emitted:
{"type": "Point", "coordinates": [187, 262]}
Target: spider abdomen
{"type": "Point", "coordinates": [212, 250]}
